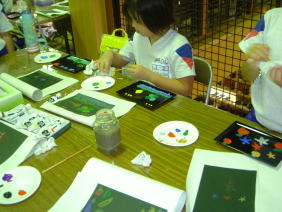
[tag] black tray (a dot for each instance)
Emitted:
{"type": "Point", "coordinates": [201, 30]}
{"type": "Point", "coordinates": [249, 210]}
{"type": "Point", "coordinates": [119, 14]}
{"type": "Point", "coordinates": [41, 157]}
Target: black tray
{"type": "Point", "coordinates": [249, 140]}
{"type": "Point", "coordinates": [147, 95]}
{"type": "Point", "coordinates": [71, 63]}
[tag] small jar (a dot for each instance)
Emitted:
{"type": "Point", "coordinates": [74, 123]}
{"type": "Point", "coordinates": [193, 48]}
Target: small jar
{"type": "Point", "coordinates": [107, 130]}
{"type": "Point", "coordinates": [30, 36]}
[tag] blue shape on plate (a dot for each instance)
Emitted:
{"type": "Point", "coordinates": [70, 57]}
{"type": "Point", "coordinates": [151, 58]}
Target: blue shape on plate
{"type": "Point", "coordinates": [177, 130]}
{"type": "Point", "coordinates": [245, 140]}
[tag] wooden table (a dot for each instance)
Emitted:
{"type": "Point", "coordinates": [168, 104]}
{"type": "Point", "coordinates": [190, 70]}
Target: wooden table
{"type": "Point", "coordinates": [170, 165]}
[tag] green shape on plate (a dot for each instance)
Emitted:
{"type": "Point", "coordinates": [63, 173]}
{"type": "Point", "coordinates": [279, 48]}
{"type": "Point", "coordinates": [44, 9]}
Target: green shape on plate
{"type": "Point", "coordinates": [186, 132]}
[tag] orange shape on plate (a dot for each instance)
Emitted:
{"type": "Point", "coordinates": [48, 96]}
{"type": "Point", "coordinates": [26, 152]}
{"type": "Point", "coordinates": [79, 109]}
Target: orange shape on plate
{"type": "Point", "coordinates": [22, 192]}
{"type": "Point", "coordinates": [227, 140]}
{"type": "Point", "coordinates": [170, 134]}
{"type": "Point", "coordinates": [243, 131]}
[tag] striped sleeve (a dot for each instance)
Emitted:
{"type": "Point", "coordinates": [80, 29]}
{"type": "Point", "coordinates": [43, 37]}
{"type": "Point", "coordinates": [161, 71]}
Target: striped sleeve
{"type": "Point", "coordinates": [183, 64]}
{"type": "Point", "coordinates": [255, 36]}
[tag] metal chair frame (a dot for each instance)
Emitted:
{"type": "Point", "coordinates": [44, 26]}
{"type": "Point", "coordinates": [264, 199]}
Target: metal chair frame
{"type": "Point", "coordinates": [204, 74]}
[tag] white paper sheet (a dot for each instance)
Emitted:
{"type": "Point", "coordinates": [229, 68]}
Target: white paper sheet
{"type": "Point", "coordinates": [121, 106]}
{"type": "Point", "coordinates": [28, 90]}
{"type": "Point", "coordinates": [34, 93]}
{"type": "Point", "coordinates": [99, 172]}
{"type": "Point", "coordinates": [268, 182]}
{"type": "Point", "coordinates": [22, 153]}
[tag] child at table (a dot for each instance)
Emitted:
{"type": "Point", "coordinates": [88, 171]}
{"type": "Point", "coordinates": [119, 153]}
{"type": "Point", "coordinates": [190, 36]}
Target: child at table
{"type": "Point", "coordinates": [263, 46]}
{"type": "Point", "coordinates": [6, 41]}
{"type": "Point", "coordinates": [162, 56]}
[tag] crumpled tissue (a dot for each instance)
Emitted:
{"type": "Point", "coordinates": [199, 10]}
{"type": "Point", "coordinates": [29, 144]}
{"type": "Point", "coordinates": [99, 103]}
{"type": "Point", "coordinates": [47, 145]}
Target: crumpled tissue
{"type": "Point", "coordinates": [44, 145]}
{"type": "Point", "coordinates": [89, 68]}
{"type": "Point", "coordinates": [142, 159]}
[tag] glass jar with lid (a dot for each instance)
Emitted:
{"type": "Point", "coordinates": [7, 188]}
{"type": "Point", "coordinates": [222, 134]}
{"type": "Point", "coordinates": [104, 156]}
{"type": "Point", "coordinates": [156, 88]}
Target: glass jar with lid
{"type": "Point", "coordinates": [107, 130]}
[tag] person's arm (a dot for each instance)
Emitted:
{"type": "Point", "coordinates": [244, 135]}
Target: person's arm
{"type": "Point", "coordinates": [249, 72]}
{"type": "Point", "coordinates": [256, 53]}
{"type": "Point", "coordinates": [9, 41]}
{"type": "Point", "coordinates": [275, 74]}
{"type": "Point", "coordinates": [181, 86]}
{"type": "Point", "coordinates": [108, 59]}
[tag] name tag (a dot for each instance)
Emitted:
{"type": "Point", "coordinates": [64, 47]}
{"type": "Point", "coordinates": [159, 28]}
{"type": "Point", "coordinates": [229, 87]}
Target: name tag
{"type": "Point", "coordinates": [162, 69]}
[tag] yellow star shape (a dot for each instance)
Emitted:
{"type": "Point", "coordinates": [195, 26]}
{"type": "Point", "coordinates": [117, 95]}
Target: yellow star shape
{"type": "Point", "coordinates": [242, 199]}
{"type": "Point", "coordinates": [271, 155]}
{"type": "Point", "coordinates": [255, 154]}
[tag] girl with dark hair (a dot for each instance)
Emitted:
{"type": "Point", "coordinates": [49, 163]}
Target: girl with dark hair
{"type": "Point", "coordinates": [162, 56]}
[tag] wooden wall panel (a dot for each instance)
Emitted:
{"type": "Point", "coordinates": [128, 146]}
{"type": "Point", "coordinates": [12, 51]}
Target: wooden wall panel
{"type": "Point", "coordinates": [89, 22]}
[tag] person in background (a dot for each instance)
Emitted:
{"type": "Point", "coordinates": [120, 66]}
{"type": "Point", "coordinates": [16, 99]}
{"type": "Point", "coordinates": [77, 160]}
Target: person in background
{"type": "Point", "coordinates": [162, 56]}
{"type": "Point", "coordinates": [6, 41]}
{"type": "Point", "coordinates": [7, 5]}
{"type": "Point", "coordinates": [263, 67]}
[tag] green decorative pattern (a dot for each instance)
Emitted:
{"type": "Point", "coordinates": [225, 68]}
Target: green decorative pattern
{"type": "Point", "coordinates": [105, 199]}
{"type": "Point", "coordinates": [40, 79]}
{"type": "Point", "coordinates": [224, 189]}
{"type": "Point", "coordinates": [83, 105]}
{"type": "Point", "coordinates": [78, 60]}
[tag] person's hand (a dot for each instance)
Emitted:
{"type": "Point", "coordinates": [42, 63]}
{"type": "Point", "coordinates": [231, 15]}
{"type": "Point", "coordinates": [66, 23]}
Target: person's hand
{"type": "Point", "coordinates": [275, 74]}
{"type": "Point", "coordinates": [257, 53]}
{"type": "Point", "coordinates": [139, 72]}
{"type": "Point", "coordinates": [104, 62]}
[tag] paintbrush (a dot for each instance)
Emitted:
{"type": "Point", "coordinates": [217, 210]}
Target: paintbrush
{"type": "Point", "coordinates": [119, 69]}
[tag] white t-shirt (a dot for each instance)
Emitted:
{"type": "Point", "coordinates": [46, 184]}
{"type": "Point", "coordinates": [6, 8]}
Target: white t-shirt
{"type": "Point", "coordinates": [266, 95]}
{"type": "Point", "coordinates": [8, 5]}
{"type": "Point", "coordinates": [5, 26]}
{"type": "Point", "coordinates": [171, 56]}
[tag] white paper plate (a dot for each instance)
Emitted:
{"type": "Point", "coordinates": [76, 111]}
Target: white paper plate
{"type": "Point", "coordinates": [176, 133]}
{"type": "Point", "coordinates": [47, 57]}
{"type": "Point", "coordinates": [18, 184]}
{"type": "Point", "coordinates": [97, 83]}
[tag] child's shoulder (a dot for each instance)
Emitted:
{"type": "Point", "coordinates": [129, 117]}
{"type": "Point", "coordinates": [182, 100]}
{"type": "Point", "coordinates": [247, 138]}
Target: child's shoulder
{"type": "Point", "coordinates": [177, 38]}
{"type": "Point", "coordinates": [273, 17]}
{"type": "Point", "coordinates": [274, 12]}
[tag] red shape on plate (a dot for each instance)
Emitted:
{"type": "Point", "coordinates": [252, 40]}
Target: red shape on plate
{"type": "Point", "coordinates": [22, 192]}
{"type": "Point", "coordinates": [227, 140]}
{"type": "Point", "coordinates": [278, 145]}
{"type": "Point", "coordinates": [256, 146]}
{"type": "Point", "coordinates": [99, 192]}
{"type": "Point", "coordinates": [243, 131]}
{"type": "Point", "coordinates": [170, 134]}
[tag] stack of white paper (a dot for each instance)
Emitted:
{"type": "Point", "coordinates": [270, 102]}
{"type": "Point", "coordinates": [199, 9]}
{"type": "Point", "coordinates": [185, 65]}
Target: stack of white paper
{"type": "Point", "coordinates": [98, 172]}
{"type": "Point", "coordinates": [268, 181]}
